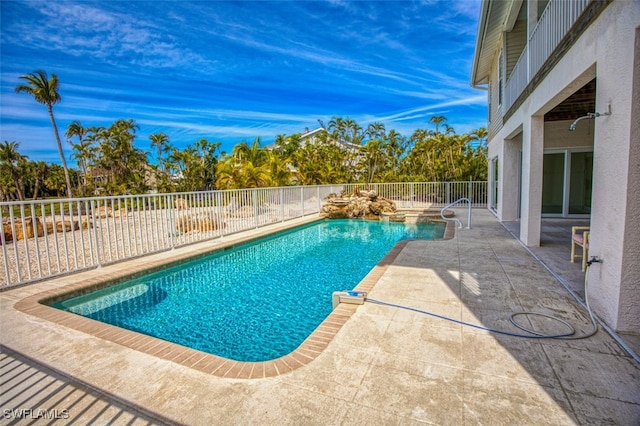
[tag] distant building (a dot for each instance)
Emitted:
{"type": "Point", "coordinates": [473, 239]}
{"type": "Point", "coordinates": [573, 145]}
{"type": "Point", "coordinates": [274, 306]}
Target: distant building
{"type": "Point", "coordinates": [98, 175]}
{"type": "Point", "coordinates": [309, 136]}
{"type": "Point", "coordinates": [313, 135]}
{"type": "Point", "coordinates": [563, 82]}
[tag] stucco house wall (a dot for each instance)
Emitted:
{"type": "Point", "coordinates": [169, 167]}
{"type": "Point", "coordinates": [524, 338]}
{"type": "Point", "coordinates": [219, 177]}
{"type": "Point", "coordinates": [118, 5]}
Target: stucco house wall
{"type": "Point", "coordinates": [605, 51]}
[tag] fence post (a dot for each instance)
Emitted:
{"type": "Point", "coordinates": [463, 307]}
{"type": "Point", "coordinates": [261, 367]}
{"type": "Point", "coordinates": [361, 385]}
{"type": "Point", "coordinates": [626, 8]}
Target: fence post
{"type": "Point", "coordinates": [219, 211]}
{"type": "Point", "coordinates": [95, 232]}
{"type": "Point", "coordinates": [281, 202]}
{"type": "Point", "coordinates": [254, 196]}
{"type": "Point", "coordinates": [4, 249]}
{"type": "Point", "coordinates": [412, 194]}
{"type": "Point", "coordinates": [447, 193]}
{"type": "Point", "coordinates": [302, 200]}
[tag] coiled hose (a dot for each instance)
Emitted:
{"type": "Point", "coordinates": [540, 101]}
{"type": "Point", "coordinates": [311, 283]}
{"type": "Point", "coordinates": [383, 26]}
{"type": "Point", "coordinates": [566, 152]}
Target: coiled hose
{"type": "Point", "coordinates": [569, 335]}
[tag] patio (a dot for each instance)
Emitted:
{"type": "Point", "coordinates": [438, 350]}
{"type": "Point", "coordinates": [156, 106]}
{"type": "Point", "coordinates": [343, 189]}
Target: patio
{"type": "Point", "coordinates": [384, 366]}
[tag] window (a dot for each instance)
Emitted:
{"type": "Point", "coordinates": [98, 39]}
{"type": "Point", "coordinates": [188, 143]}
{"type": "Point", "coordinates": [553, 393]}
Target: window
{"type": "Point", "coordinates": [500, 77]}
{"type": "Point", "coordinates": [490, 99]}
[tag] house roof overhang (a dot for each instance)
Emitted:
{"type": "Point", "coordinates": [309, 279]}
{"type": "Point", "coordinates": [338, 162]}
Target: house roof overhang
{"type": "Point", "coordinates": [310, 133]}
{"type": "Point", "coordinates": [496, 16]}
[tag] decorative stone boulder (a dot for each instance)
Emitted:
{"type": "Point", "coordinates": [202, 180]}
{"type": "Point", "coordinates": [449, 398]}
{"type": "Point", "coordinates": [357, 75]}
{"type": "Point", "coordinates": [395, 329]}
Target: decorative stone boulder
{"type": "Point", "coordinates": [62, 226]}
{"type": "Point", "coordinates": [104, 212]}
{"type": "Point", "coordinates": [243, 212]}
{"type": "Point", "coordinates": [18, 233]}
{"type": "Point", "coordinates": [85, 222]}
{"type": "Point", "coordinates": [199, 222]}
{"type": "Point", "coordinates": [181, 204]}
{"type": "Point", "coordinates": [360, 204]}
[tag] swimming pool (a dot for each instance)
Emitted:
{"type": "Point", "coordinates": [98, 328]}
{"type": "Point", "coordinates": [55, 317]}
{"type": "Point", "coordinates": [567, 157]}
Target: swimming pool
{"type": "Point", "coordinates": [255, 302]}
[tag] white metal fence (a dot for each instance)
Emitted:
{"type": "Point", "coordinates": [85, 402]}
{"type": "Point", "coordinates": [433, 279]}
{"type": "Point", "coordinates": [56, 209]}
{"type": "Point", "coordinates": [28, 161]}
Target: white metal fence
{"type": "Point", "coordinates": [45, 238]}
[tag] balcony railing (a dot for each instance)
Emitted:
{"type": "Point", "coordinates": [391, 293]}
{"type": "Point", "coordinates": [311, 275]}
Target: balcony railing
{"type": "Point", "coordinates": [554, 23]}
{"type": "Point", "coordinates": [47, 238]}
{"type": "Point", "coordinates": [517, 81]}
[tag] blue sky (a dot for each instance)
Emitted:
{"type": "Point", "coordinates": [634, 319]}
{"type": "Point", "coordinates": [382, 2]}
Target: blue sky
{"type": "Point", "coordinates": [232, 71]}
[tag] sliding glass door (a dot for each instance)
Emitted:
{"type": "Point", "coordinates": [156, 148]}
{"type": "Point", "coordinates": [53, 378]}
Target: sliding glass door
{"type": "Point", "coordinates": [553, 183]}
{"type": "Point", "coordinates": [566, 183]}
{"type": "Point", "coordinates": [581, 178]}
{"type": "Point", "coordinates": [493, 170]}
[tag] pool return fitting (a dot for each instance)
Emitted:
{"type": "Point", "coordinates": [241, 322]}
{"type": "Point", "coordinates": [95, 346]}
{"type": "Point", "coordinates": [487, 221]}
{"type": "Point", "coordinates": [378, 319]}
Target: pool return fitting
{"type": "Point", "coordinates": [359, 297]}
{"type": "Point", "coordinates": [348, 296]}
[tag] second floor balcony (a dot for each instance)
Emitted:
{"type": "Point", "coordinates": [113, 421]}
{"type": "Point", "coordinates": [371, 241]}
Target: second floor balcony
{"type": "Point", "coordinates": [527, 38]}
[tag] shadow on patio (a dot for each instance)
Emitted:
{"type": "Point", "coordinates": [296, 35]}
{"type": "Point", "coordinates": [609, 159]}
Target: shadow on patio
{"type": "Point", "coordinates": [482, 277]}
{"type": "Point", "coordinates": [555, 252]}
{"type": "Point", "coordinates": [32, 394]}
{"type": "Point", "coordinates": [387, 365]}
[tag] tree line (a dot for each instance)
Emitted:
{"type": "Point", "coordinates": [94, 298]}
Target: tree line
{"type": "Point", "coordinates": [340, 151]}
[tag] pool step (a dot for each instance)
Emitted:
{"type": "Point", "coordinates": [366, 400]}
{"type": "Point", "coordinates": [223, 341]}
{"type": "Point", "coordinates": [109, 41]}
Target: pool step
{"type": "Point", "coordinates": [416, 215]}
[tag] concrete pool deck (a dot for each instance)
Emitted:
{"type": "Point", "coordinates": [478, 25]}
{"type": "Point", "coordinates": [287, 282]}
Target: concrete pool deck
{"type": "Point", "coordinates": [384, 366]}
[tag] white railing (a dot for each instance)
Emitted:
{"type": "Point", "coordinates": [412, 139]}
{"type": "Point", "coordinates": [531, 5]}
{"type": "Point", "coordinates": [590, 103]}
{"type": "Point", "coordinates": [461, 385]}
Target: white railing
{"type": "Point", "coordinates": [517, 81]}
{"type": "Point", "coordinates": [554, 23]}
{"type": "Point", "coordinates": [46, 238]}
{"type": "Point", "coordinates": [428, 194]}
{"type": "Point", "coordinates": [455, 219]}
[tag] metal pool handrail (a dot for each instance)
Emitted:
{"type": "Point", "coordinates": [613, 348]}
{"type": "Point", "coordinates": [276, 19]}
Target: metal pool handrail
{"type": "Point", "coordinates": [455, 219]}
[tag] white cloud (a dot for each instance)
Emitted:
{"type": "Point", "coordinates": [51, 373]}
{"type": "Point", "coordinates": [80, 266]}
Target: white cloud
{"type": "Point", "coordinates": [229, 70]}
{"type": "Point", "coordinates": [83, 30]}
{"type": "Point", "coordinates": [403, 115]}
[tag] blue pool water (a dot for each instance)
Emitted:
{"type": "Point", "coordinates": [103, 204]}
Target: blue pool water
{"type": "Point", "coordinates": [258, 301]}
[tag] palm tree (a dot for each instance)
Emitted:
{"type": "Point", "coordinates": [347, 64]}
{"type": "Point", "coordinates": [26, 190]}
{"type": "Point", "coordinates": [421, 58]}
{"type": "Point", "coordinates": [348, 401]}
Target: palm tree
{"type": "Point", "coordinates": [375, 131]}
{"type": "Point", "coordinates": [479, 135]}
{"type": "Point", "coordinates": [352, 132]}
{"type": "Point", "coordinates": [255, 176]}
{"type": "Point", "coordinates": [279, 170]}
{"type": "Point", "coordinates": [252, 164]}
{"type": "Point", "coordinates": [372, 159]}
{"type": "Point", "coordinates": [39, 170]}
{"type": "Point", "coordinates": [83, 153]}
{"type": "Point", "coordinates": [396, 146]}
{"type": "Point", "coordinates": [228, 176]}
{"type": "Point", "coordinates": [45, 91]}
{"type": "Point", "coordinates": [253, 154]}
{"type": "Point", "coordinates": [177, 162]}
{"type": "Point", "coordinates": [55, 179]}
{"type": "Point", "coordinates": [123, 163]}
{"type": "Point", "coordinates": [208, 161]}
{"type": "Point", "coordinates": [437, 119]}
{"type": "Point", "coordinates": [448, 130]}
{"type": "Point", "coordinates": [76, 129]}
{"type": "Point", "coordinates": [15, 163]}
{"type": "Point", "coordinates": [286, 146]}
{"type": "Point", "coordinates": [160, 141]}
{"type": "Point", "coordinates": [336, 127]}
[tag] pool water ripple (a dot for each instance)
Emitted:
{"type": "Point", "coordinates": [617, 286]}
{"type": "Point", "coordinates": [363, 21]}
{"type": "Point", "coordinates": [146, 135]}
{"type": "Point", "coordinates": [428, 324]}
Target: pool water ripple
{"type": "Point", "coordinates": [258, 301]}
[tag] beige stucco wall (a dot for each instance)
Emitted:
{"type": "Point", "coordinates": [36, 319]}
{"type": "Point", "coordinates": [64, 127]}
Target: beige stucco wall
{"type": "Point", "coordinates": [558, 136]}
{"type": "Point", "coordinates": [630, 295]}
{"type": "Point", "coordinates": [606, 51]}
{"type": "Point", "coordinates": [612, 40]}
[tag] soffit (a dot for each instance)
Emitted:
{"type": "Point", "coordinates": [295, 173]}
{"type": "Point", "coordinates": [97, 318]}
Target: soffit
{"type": "Point", "coordinates": [577, 105]}
{"type": "Point", "coordinates": [493, 16]}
